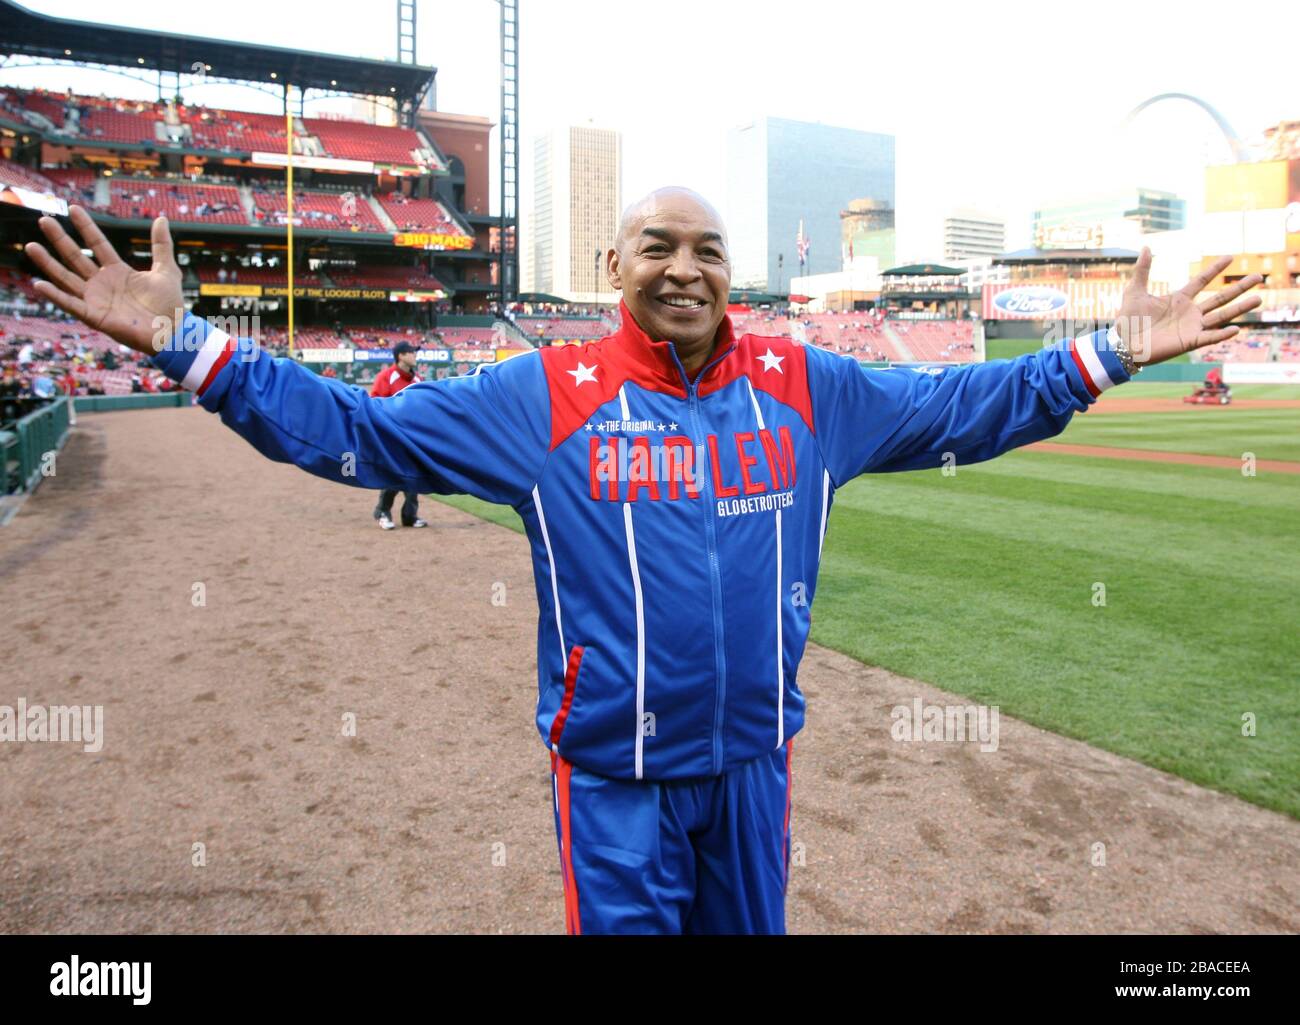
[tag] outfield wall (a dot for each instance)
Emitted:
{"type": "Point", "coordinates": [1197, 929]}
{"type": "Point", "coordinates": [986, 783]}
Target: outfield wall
{"type": "Point", "coordinates": [24, 449]}
{"type": "Point", "coordinates": [137, 400]}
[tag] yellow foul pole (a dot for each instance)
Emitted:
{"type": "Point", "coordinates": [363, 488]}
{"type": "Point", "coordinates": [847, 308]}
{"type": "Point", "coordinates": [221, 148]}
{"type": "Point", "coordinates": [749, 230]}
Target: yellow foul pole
{"type": "Point", "coordinates": [288, 138]}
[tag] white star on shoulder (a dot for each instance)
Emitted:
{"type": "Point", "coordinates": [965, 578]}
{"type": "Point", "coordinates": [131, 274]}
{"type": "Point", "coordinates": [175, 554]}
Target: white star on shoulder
{"type": "Point", "coordinates": [771, 361]}
{"type": "Point", "coordinates": [583, 373]}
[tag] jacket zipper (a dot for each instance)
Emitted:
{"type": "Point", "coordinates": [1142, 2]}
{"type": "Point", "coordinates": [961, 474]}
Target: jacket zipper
{"type": "Point", "coordinates": [715, 574]}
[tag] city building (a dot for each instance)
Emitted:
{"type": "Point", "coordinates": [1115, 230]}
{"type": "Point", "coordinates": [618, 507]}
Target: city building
{"type": "Point", "coordinates": [971, 235]}
{"type": "Point", "coordinates": [978, 271]}
{"type": "Point", "coordinates": [1252, 213]}
{"type": "Point", "coordinates": [573, 214]}
{"type": "Point", "coordinates": [1095, 222]}
{"type": "Point", "coordinates": [867, 232]}
{"type": "Point", "coordinates": [783, 175]}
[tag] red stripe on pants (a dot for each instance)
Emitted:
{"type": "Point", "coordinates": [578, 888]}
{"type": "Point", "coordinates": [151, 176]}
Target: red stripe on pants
{"type": "Point", "coordinates": [563, 770]}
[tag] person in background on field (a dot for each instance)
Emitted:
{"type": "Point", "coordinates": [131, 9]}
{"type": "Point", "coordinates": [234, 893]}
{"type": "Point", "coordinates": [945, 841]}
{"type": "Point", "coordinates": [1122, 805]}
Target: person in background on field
{"type": "Point", "coordinates": [68, 385]}
{"type": "Point", "coordinates": [388, 383]}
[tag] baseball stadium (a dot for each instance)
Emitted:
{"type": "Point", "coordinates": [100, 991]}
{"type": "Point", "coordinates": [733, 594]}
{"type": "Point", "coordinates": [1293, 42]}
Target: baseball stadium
{"type": "Point", "coordinates": [312, 726]}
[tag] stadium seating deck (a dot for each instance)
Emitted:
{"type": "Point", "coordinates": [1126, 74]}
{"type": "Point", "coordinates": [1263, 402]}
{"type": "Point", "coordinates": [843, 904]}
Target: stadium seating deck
{"type": "Point", "coordinates": [179, 201]}
{"type": "Point", "coordinates": [118, 126]}
{"type": "Point", "coordinates": [381, 276]}
{"type": "Point", "coordinates": [233, 130]}
{"type": "Point", "coordinates": [236, 275]}
{"type": "Point", "coordinates": [24, 177]}
{"type": "Point", "coordinates": [1253, 346]}
{"type": "Point", "coordinates": [317, 210]}
{"type": "Point", "coordinates": [937, 340]}
{"type": "Point", "coordinates": [355, 140]}
{"type": "Point", "coordinates": [19, 283]}
{"type": "Point", "coordinates": [563, 327]}
{"type": "Point", "coordinates": [66, 334]}
{"type": "Point", "coordinates": [133, 122]}
{"type": "Point", "coordinates": [419, 214]}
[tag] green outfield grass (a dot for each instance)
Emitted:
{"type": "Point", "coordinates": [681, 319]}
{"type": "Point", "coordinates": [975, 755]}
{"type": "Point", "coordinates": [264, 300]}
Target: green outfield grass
{"type": "Point", "coordinates": [982, 583]}
{"type": "Point", "coordinates": [1268, 433]}
{"type": "Point", "coordinates": [1009, 348]}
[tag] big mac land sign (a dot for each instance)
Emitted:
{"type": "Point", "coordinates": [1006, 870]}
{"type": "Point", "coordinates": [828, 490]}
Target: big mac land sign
{"type": "Point", "coordinates": [432, 240]}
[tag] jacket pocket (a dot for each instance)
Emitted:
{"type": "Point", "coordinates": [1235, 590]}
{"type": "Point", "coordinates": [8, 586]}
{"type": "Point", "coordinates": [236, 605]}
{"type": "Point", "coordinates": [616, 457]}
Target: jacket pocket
{"type": "Point", "coordinates": [570, 683]}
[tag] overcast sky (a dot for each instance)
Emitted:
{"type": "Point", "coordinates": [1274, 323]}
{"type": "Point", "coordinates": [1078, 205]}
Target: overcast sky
{"type": "Point", "coordinates": [997, 105]}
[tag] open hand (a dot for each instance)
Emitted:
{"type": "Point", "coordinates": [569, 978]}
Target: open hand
{"type": "Point", "coordinates": [1157, 328]}
{"type": "Point", "coordinates": [140, 309]}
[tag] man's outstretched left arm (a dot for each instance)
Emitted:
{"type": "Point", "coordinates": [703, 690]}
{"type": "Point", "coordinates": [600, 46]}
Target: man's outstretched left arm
{"type": "Point", "coordinates": [882, 420]}
{"type": "Point", "coordinates": [900, 419]}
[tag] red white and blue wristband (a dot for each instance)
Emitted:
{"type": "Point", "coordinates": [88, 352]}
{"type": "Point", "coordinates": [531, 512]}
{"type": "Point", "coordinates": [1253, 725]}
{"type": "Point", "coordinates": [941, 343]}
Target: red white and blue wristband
{"type": "Point", "coordinates": [1099, 367]}
{"type": "Point", "coordinates": [198, 352]}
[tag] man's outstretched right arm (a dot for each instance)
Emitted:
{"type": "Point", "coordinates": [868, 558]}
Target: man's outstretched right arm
{"type": "Point", "coordinates": [486, 434]}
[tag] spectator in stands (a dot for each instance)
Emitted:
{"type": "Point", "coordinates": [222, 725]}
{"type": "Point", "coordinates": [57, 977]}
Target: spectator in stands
{"type": "Point", "coordinates": [389, 382]}
{"type": "Point", "coordinates": [43, 386]}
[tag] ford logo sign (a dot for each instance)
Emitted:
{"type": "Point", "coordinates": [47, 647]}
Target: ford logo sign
{"type": "Point", "coordinates": [1031, 302]}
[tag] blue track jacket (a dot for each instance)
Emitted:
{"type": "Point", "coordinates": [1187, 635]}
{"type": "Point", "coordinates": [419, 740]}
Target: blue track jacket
{"type": "Point", "coordinates": [676, 525]}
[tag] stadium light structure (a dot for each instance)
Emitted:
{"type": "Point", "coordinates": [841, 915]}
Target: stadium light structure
{"type": "Point", "coordinates": [508, 254]}
{"type": "Point", "coordinates": [406, 31]}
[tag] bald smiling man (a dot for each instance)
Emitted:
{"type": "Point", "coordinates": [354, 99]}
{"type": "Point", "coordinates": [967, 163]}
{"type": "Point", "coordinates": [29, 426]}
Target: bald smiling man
{"type": "Point", "coordinates": [675, 483]}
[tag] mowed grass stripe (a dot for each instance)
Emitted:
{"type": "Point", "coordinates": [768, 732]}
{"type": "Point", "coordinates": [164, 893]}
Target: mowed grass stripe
{"type": "Point", "coordinates": [999, 501]}
{"type": "Point", "coordinates": [992, 605]}
{"type": "Point", "coordinates": [1268, 433]}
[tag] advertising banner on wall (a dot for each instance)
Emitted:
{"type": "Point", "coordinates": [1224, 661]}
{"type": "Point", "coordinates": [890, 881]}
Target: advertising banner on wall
{"type": "Point", "coordinates": [326, 355]}
{"type": "Point", "coordinates": [319, 292]}
{"type": "Point", "coordinates": [45, 202]}
{"type": "Point", "coordinates": [1261, 373]}
{"type": "Point", "coordinates": [216, 288]}
{"type": "Point", "coordinates": [1092, 299]}
{"type": "Point", "coordinates": [432, 240]}
{"type": "Point", "coordinates": [413, 296]}
{"type": "Point", "coordinates": [386, 356]}
{"type": "Point", "coordinates": [264, 159]}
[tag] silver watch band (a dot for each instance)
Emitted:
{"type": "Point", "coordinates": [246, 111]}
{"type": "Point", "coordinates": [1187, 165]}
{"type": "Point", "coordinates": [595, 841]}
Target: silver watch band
{"type": "Point", "coordinates": [1122, 353]}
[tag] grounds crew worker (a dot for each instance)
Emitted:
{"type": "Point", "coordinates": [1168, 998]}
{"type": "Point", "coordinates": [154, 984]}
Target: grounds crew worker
{"type": "Point", "coordinates": [390, 381]}
{"type": "Point", "coordinates": [675, 483]}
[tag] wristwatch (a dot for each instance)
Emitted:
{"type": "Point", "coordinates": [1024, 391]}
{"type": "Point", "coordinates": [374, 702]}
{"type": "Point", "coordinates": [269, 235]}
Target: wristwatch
{"type": "Point", "coordinates": [1122, 353]}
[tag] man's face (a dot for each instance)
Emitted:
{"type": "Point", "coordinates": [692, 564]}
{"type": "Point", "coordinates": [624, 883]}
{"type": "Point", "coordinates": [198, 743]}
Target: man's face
{"type": "Point", "coordinates": [672, 264]}
{"type": "Point", "coordinates": [406, 361]}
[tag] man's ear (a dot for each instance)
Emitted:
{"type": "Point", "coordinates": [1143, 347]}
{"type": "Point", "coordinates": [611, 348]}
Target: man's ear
{"type": "Point", "coordinates": [612, 270]}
